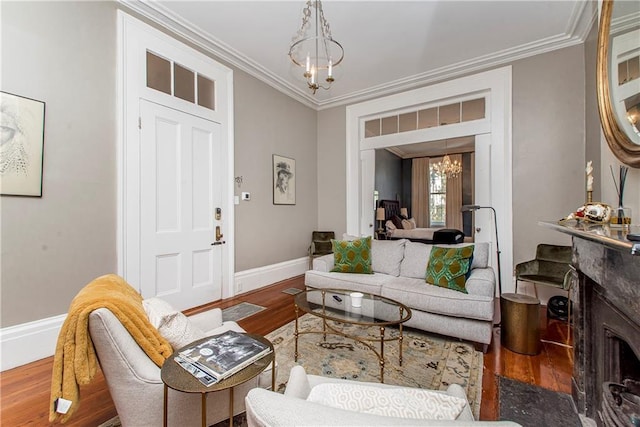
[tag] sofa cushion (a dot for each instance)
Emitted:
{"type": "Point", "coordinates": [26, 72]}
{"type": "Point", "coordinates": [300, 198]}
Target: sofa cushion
{"type": "Point", "coordinates": [173, 325]}
{"type": "Point", "coordinates": [402, 402]}
{"type": "Point", "coordinates": [434, 299]}
{"type": "Point", "coordinates": [386, 256]}
{"type": "Point", "coordinates": [416, 257]}
{"type": "Point", "coordinates": [449, 267]}
{"type": "Point", "coordinates": [366, 283]}
{"type": "Point", "coordinates": [352, 256]}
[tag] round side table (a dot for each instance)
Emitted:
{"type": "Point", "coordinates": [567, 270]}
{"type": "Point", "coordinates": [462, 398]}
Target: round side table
{"type": "Point", "coordinates": [520, 324]}
{"type": "Point", "coordinates": [175, 377]}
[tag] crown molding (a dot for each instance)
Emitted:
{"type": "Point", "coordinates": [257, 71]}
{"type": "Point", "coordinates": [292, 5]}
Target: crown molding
{"type": "Point", "coordinates": [583, 16]}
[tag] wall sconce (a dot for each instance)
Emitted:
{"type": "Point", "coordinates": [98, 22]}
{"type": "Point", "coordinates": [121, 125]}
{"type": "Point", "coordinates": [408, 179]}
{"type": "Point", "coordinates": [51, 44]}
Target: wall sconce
{"type": "Point", "coordinates": [238, 180]}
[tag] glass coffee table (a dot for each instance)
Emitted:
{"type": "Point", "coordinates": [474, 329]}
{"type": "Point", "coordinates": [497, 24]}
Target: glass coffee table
{"type": "Point", "coordinates": [369, 310]}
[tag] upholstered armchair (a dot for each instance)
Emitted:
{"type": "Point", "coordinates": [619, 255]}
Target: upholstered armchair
{"type": "Point", "coordinates": [551, 267]}
{"type": "Point", "coordinates": [294, 407]}
{"type": "Point", "coordinates": [134, 380]}
{"type": "Point", "coordinates": [320, 244]}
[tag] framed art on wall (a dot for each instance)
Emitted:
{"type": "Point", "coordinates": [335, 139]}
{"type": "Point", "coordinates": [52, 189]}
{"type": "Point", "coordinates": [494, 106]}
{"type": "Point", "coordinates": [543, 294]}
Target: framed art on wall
{"type": "Point", "coordinates": [284, 180]}
{"type": "Point", "coordinates": [21, 145]}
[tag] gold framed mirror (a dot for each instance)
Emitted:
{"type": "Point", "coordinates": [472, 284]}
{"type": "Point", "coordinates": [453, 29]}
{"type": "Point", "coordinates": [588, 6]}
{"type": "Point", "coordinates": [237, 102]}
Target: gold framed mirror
{"type": "Point", "coordinates": [618, 78]}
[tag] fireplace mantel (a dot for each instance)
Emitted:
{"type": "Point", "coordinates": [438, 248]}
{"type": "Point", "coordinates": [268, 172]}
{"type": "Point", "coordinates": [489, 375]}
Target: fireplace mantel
{"type": "Point", "coordinates": [606, 315]}
{"type": "Point", "coordinates": [606, 235]}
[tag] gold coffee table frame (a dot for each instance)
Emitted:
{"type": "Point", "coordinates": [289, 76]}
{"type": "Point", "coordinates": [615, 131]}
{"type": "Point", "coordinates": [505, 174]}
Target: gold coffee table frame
{"type": "Point", "coordinates": [176, 377]}
{"type": "Point", "coordinates": [335, 305]}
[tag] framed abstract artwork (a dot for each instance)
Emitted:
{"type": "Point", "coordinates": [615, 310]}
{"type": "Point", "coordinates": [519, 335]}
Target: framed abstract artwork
{"type": "Point", "coordinates": [21, 146]}
{"type": "Point", "coordinates": [284, 180]}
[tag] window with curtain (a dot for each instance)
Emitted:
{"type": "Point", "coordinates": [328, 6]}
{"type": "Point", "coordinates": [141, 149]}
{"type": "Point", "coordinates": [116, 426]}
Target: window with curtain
{"type": "Point", "coordinates": [437, 197]}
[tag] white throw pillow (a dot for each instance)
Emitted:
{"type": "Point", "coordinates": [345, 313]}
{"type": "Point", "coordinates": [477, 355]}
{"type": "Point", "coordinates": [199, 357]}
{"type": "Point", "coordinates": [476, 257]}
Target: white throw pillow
{"type": "Point", "coordinates": [173, 325]}
{"type": "Point", "coordinates": [409, 224]}
{"type": "Point", "coordinates": [411, 403]}
{"type": "Point", "coordinates": [390, 225]}
{"type": "Point", "coordinates": [386, 256]}
{"type": "Point", "coordinates": [349, 237]}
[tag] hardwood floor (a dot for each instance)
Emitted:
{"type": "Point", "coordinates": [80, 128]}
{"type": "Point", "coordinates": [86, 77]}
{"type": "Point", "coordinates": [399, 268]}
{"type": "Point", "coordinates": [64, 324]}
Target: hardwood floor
{"type": "Point", "coordinates": [24, 391]}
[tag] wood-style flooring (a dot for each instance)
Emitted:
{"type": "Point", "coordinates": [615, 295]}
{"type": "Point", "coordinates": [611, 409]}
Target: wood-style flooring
{"type": "Point", "coordinates": [24, 391]}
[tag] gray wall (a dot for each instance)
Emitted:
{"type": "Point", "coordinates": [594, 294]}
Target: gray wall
{"type": "Point", "coordinates": [269, 122]}
{"type": "Point", "coordinates": [548, 147]}
{"type": "Point", "coordinates": [64, 53]}
{"type": "Point", "coordinates": [332, 172]}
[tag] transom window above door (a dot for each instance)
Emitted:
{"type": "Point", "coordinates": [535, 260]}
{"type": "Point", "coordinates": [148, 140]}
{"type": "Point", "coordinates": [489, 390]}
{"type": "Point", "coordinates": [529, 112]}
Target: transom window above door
{"type": "Point", "coordinates": [440, 115]}
{"type": "Point", "coordinates": [173, 79]}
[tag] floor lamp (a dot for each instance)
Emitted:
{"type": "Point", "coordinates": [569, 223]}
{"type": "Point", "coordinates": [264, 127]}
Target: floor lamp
{"type": "Point", "coordinates": [471, 208]}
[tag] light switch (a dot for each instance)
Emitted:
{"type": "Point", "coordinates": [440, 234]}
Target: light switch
{"type": "Point", "coordinates": [246, 196]}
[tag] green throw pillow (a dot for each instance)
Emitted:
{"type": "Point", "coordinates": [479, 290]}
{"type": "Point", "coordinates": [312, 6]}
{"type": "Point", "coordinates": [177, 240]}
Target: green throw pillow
{"type": "Point", "coordinates": [449, 267]}
{"type": "Point", "coordinates": [352, 256]}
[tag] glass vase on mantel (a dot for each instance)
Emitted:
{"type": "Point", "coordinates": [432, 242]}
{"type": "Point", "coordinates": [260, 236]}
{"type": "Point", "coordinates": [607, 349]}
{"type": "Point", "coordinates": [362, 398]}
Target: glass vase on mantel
{"type": "Point", "coordinates": [621, 217]}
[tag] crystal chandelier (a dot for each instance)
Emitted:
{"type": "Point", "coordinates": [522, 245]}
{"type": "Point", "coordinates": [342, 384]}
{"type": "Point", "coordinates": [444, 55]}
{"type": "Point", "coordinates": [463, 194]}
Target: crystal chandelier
{"type": "Point", "coordinates": [313, 48]}
{"type": "Point", "coordinates": [447, 167]}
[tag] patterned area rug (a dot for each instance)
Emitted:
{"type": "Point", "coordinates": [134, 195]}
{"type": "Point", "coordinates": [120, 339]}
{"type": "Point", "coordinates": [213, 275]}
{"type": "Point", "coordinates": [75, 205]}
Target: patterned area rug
{"type": "Point", "coordinates": [429, 361]}
{"type": "Point", "coordinates": [241, 311]}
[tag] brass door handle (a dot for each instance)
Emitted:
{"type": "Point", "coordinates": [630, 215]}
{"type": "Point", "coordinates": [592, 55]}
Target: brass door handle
{"type": "Point", "coordinates": [219, 235]}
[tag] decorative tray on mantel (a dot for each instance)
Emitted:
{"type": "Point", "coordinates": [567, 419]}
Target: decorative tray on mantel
{"type": "Point", "coordinates": [615, 237]}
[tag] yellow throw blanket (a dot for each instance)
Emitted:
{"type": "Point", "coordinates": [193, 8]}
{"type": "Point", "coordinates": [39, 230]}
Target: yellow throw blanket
{"type": "Point", "coordinates": [75, 362]}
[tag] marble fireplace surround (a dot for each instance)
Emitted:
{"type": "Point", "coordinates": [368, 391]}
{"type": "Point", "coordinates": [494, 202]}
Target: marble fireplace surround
{"type": "Point", "coordinates": [606, 298]}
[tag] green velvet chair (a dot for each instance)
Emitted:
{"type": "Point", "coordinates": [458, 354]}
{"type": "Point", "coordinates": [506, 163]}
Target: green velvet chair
{"type": "Point", "coordinates": [551, 267]}
{"type": "Point", "coordinates": [320, 245]}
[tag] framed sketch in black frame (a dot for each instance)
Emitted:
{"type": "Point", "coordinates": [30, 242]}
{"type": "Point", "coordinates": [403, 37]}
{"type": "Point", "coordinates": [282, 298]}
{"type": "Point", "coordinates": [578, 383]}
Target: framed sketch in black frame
{"type": "Point", "coordinates": [21, 145]}
{"type": "Point", "coordinates": [284, 180]}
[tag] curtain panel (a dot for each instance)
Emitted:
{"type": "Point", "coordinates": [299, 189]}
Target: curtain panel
{"type": "Point", "coordinates": [420, 191]}
{"type": "Point", "coordinates": [454, 198]}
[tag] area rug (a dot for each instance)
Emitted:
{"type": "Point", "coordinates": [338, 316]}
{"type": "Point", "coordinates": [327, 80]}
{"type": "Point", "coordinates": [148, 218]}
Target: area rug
{"type": "Point", "coordinates": [292, 291]}
{"type": "Point", "coordinates": [240, 311]}
{"type": "Point", "coordinates": [429, 361]}
{"type": "Point", "coordinates": [530, 405]}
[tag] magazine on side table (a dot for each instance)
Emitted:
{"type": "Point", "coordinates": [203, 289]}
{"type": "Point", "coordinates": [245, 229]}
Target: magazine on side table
{"type": "Point", "coordinates": [221, 356]}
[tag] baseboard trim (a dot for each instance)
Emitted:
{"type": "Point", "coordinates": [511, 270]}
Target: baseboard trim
{"type": "Point", "coordinates": [28, 342]}
{"type": "Point", "coordinates": [256, 278]}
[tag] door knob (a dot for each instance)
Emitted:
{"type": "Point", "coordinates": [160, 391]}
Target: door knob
{"type": "Point", "coordinates": [478, 229]}
{"type": "Point", "coordinates": [219, 235]}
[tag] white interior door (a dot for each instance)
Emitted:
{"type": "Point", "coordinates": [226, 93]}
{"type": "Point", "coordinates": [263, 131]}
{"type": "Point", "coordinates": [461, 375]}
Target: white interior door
{"type": "Point", "coordinates": [179, 194]}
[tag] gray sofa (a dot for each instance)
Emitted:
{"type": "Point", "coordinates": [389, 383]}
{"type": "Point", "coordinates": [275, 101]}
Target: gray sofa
{"type": "Point", "coordinates": [399, 268]}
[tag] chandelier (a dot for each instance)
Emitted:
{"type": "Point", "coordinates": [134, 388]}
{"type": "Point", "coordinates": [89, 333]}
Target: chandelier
{"type": "Point", "coordinates": [447, 167]}
{"type": "Point", "coordinates": [313, 48]}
